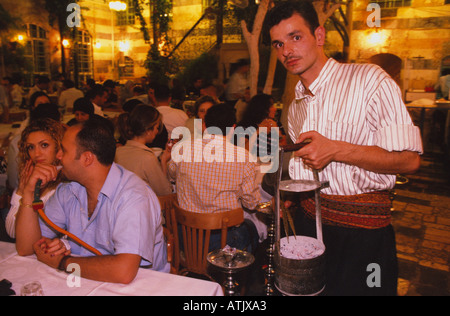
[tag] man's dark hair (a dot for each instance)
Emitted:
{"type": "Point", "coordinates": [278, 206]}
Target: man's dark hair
{"type": "Point", "coordinates": [68, 83]}
{"type": "Point", "coordinates": [220, 116]}
{"type": "Point", "coordinates": [45, 110]}
{"type": "Point", "coordinates": [43, 79]}
{"type": "Point", "coordinates": [83, 105]}
{"type": "Point", "coordinates": [286, 9]}
{"type": "Point", "coordinates": [97, 137]}
{"type": "Point", "coordinates": [97, 90]}
{"type": "Point", "coordinates": [162, 92]}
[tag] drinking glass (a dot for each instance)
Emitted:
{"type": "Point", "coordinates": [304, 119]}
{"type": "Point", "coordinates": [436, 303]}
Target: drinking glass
{"type": "Point", "coordinates": [32, 289]}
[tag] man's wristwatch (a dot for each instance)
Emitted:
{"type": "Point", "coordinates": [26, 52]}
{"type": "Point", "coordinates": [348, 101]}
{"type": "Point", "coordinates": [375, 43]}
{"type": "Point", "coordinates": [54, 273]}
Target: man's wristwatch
{"type": "Point", "coordinates": [62, 263]}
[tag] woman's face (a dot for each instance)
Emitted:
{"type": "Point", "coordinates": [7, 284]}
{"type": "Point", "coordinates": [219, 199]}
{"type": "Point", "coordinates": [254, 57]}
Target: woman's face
{"type": "Point", "coordinates": [41, 148]}
{"type": "Point", "coordinates": [202, 109]}
{"type": "Point", "coordinates": [272, 111]}
{"type": "Point", "coordinates": [81, 116]}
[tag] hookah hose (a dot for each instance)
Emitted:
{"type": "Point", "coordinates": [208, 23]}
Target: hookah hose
{"type": "Point", "coordinates": [38, 206]}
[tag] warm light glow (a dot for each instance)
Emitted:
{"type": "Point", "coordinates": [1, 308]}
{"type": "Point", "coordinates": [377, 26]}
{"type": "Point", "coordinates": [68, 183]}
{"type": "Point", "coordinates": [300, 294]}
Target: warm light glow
{"type": "Point", "coordinates": [98, 45]}
{"type": "Point", "coordinates": [20, 38]}
{"type": "Point", "coordinates": [65, 43]}
{"type": "Point", "coordinates": [117, 5]}
{"type": "Point", "coordinates": [376, 39]}
{"type": "Point", "coordinates": [124, 46]}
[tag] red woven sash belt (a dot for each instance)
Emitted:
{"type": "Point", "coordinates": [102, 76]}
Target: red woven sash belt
{"type": "Point", "coordinates": [369, 210]}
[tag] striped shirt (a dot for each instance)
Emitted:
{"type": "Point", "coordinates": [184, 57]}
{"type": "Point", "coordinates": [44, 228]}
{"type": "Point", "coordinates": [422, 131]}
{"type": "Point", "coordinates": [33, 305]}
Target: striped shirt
{"type": "Point", "coordinates": [214, 177]}
{"type": "Point", "coordinates": [358, 104]}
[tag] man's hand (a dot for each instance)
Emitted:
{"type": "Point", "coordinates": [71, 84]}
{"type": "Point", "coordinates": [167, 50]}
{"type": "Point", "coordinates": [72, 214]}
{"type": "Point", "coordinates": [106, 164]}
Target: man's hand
{"type": "Point", "coordinates": [321, 151]}
{"type": "Point", "coordinates": [318, 153]}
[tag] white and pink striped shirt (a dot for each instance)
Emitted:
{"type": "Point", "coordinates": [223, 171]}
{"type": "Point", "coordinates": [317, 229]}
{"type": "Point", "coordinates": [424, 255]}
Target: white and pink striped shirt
{"type": "Point", "coordinates": [355, 103]}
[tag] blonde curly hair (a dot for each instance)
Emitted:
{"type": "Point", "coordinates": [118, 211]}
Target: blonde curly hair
{"type": "Point", "coordinates": [51, 127]}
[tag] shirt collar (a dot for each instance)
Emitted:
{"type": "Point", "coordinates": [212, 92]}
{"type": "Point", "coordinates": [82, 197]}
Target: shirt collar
{"type": "Point", "coordinates": [134, 143]}
{"type": "Point", "coordinates": [113, 177]}
{"type": "Point", "coordinates": [322, 78]}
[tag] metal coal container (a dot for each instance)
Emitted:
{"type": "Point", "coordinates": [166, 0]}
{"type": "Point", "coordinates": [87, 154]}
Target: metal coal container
{"type": "Point", "coordinates": [300, 277]}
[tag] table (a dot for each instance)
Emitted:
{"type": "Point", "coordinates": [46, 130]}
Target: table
{"type": "Point", "coordinates": [437, 105]}
{"type": "Point", "coordinates": [20, 270]}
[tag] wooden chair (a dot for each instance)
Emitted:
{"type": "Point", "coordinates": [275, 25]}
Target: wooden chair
{"type": "Point", "coordinates": [196, 231]}
{"type": "Point", "coordinates": [167, 203]}
{"type": "Point", "coordinates": [170, 251]}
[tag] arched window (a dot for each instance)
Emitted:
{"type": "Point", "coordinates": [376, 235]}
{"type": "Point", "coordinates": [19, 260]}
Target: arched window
{"type": "Point", "coordinates": [83, 52]}
{"type": "Point", "coordinates": [36, 49]}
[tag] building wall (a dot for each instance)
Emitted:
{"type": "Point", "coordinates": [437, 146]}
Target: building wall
{"type": "Point", "coordinates": [419, 34]}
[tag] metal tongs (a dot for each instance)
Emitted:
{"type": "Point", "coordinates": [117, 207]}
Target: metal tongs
{"type": "Point", "coordinates": [286, 216]}
{"type": "Point", "coordinates": [287, 222]}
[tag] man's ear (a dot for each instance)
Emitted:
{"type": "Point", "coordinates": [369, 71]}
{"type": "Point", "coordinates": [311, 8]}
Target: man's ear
{"type": "Point", "coordinates": [87, 158]}
{"type": "Point", "coordinates": [320, 34]}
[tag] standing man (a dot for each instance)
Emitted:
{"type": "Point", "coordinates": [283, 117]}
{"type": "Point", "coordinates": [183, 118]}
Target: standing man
{"type": "Point", "coordinates": [104, 205]}
{"type": "Point", "coordinates": [361, 136]}
{"type": "Point", "coordinates": [171, 117]}
{"type": "Point", "coordinates": [68, 96]}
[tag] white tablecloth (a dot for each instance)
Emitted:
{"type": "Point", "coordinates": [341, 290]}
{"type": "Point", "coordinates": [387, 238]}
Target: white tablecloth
{"type": "Point", "coordinates": [21, 270]}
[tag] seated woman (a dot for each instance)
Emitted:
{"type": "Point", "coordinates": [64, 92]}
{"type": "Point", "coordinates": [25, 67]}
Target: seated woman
{"type": "Point", "coordinates": [200, 107]}
{"type": "Point", "coordinates": [39, 144]}
{"type": "Point", "coordinates": [259, 117]}
{"type": "Point", "coordinates": [139, 128]}
{"type": "Point", "coordinates": [83, 109]}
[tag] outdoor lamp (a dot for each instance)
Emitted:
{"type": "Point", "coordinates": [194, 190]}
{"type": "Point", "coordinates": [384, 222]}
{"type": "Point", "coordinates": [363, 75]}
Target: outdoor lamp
{"type": "Point", "coordinates": [117, 5]}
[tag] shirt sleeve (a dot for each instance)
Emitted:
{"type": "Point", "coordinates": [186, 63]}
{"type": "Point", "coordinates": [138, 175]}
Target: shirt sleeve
{"type": "Point", "coordinates": [155, 177]}
{"type": "Point", "coordinates": [138, 229]}
{"type": "Point", "coordinates": [54, 210]}
{"type": "Point", "coordinates": [250, 190]}
{"type": "Point", "coordinates": [172, 170]}
{"type": "Point", "coordinates": [388, 116]}
{"type": "Point", "coordinates": [10, 223]}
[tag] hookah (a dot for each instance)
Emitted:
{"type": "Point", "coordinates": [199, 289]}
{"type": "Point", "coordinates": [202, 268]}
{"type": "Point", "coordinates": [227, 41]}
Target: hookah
{"type": "Point", "coordinates": [38, 206]}
{"type": "Point", "coordinates": [290, 276]}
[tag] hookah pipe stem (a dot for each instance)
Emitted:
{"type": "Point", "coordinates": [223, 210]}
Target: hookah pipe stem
{"type": "Point", "coordinates": [38, 206]}
{"type": "Point", "coordinates": [295, 147]}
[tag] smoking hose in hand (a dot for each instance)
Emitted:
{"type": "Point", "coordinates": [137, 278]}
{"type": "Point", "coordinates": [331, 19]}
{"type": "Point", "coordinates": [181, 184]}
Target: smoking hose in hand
{"type": "Point", "coordinates": [38, 206]}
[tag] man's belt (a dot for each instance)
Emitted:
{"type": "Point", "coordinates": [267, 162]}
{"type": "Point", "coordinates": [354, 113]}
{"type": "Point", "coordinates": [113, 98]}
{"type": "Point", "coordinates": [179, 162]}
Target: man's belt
{"type": "Point", "coordinates": [369, 210]}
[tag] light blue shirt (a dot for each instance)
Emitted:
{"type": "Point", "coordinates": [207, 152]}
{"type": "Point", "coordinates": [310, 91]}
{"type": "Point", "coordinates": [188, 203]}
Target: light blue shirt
{"type": "Point", "coordinates": [127, 218]}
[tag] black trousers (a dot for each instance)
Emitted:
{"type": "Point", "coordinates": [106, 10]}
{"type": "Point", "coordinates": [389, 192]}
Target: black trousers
{"type": "Point", "coordinates": [359, 262]}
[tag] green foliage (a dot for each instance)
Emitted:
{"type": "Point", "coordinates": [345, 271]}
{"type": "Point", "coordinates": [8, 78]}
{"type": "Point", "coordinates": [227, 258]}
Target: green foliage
{"type": "Point", "coordinates": [159, 66]}
{"type": "Point", "coordinates": [138, 6]}
{"type": "Point", "coordinates": [161, 16]}
{"type": "Point", "coordinates": [205, 67]}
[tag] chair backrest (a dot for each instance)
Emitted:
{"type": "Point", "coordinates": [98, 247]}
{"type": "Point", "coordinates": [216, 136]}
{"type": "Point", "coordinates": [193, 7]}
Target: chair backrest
{"type": "Point", "coordinates": [167, 203]}
{"type": "Point", "coordinates": [196, 231]}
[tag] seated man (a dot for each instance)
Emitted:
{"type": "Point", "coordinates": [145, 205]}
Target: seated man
{"type": "Point", "coordinates": [104, 205]}
{"type": "Point", "coordinates": [217, 183]}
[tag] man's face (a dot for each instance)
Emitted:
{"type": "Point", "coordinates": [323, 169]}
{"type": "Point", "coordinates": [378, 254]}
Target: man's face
{"type": "Point", "coordinates": [101, 99]}
{"type": "Point", "coordinates": [296, 47]}
{"type": "Point", "coordinates": [68, 153]}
